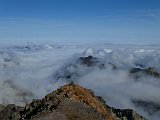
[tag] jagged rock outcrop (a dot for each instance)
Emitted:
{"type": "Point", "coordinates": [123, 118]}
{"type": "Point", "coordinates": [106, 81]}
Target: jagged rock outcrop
{"type": "Point", "coordinates": [70, 102]}
{"type": "Point", "coordinates": [72, 71]}
{"type": "Point", "coordinates": [10, 112]}
{"type": "Point", "coordinates": [126, 114]}
{"type": "Point", "coordinates": [148, 71]}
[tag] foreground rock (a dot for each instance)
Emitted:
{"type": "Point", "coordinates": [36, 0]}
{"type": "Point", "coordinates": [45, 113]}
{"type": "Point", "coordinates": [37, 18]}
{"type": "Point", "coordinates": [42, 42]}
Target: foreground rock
{"type": "Point", "coordinates": [70, 102]}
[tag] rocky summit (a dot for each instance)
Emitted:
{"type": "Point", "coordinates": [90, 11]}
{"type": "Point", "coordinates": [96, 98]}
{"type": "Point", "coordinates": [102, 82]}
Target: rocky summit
{"type": "Point", "coordinates": [70, 102]}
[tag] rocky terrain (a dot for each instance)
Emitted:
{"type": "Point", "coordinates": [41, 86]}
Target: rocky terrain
{"type": "Point", "coordinates": [70, 102]}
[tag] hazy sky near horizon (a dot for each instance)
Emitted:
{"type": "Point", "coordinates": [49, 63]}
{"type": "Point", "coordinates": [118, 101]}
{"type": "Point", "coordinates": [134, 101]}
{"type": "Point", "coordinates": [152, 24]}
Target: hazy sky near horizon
{"type": "Point", "coordinates": [80, 21]}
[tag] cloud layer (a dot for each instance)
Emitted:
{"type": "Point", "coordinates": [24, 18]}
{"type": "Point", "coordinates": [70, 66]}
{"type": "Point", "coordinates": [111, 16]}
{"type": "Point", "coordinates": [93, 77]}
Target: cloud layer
{"type": "Point", "coordinates": [28, 72]}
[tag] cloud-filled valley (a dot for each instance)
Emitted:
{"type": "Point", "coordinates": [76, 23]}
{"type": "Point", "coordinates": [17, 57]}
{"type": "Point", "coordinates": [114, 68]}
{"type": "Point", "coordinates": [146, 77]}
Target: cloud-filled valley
{"type": "Point", "coordinates": [125, 76]}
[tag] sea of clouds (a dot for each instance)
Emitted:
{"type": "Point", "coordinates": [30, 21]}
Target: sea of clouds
{"type": "Point", "coordinates": [30, 72]}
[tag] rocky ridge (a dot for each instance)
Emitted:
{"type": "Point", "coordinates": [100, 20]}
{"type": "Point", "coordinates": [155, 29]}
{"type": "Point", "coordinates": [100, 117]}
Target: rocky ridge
{"type": "Point", "coordinates": [70, 102]}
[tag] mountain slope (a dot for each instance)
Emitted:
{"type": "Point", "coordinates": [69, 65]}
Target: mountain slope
{"type": "Point", "coordinates": [70, 102]}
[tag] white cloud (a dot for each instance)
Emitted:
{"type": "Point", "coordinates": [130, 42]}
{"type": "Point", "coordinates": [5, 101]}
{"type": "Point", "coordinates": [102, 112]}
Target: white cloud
{"type": "Point", "coordinates": [32, 73]}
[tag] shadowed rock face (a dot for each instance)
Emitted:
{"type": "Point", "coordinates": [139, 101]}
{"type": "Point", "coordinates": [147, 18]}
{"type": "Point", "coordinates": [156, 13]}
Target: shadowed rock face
{"type": "Point", "coordinates": [149, 71]}
{"type": "Point", "coordinates": [70, 102]}
{"type": "Point", "coordinates": [150, 107]}
{"type": "Point", "coordinates": [10, 112]}
{"type": "Point", "coordinates": [90, 61]}
{"type": "Point", "coordinates": [126, 114]}
{"type": "Point", "coordinates": [71, 71]}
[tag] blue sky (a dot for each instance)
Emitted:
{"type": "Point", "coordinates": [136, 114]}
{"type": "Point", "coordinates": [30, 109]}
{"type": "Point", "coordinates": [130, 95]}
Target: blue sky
{"type": "Point", "coordinates": [80, 21]}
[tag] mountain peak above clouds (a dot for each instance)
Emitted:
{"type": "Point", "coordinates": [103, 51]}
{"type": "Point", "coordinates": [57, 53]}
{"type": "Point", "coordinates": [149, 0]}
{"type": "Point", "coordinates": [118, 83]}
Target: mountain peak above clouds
{"type": "Point", "coordinates": [69, 102]}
